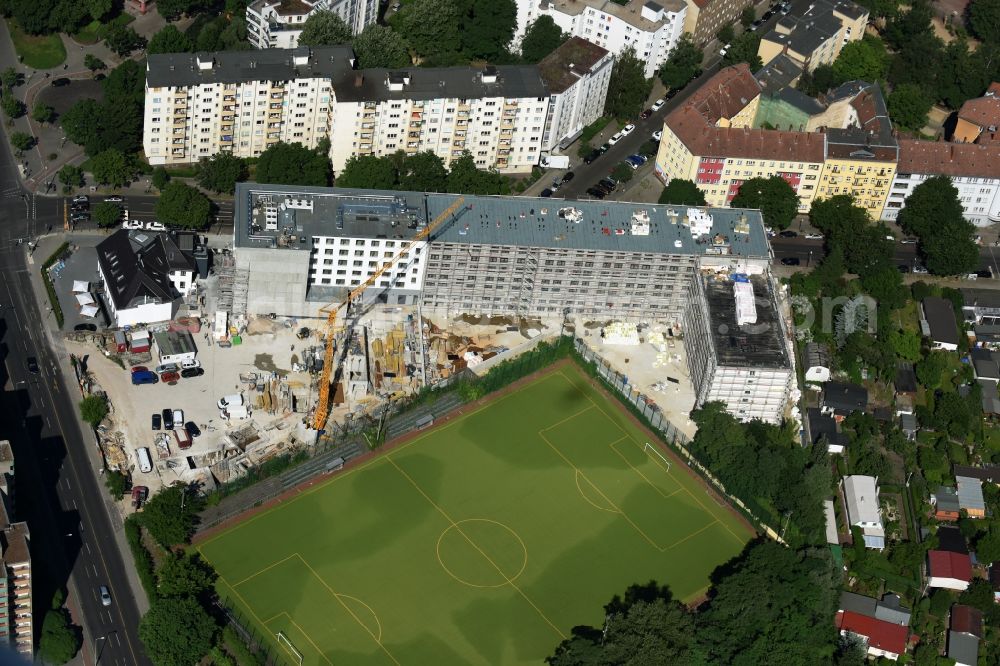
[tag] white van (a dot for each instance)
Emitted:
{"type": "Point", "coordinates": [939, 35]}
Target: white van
{"type": "Point", "coordinates": [232, 400]}
{"type": "Point", "coordinates": [145, 462]}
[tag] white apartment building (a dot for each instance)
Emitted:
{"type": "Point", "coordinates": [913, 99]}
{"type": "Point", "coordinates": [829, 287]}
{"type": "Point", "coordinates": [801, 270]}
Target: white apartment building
{"type": "Point", "coordinates": [277, 24]}
{"type": "Point", "coordinates": [496, 113]}
{"type": "Point", "coordinates": [577, 76]}
{"type": "Point", "coordinates": [651, 28]}
{"type": "Point", "coordinates": [240, 102]}
{"type": "Point", "coordinates": [974, 169]}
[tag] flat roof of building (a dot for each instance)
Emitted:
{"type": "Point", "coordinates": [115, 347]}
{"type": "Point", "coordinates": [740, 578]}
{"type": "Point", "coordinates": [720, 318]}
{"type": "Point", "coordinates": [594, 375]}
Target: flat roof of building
{"type": "Point", "coordinates": [757, 345]}
{"type": "Point", "coordinates": [299, 213]}
{"type": "Point", "coordinates": [425, 83]}
{"type": "Point", "coordinates": [172, 343]}
{"type": "Point", "coordinates": [630, 11]}
{"type": "Point", "coordinates": [568, 63]}
{"type": "Point", "coordinates": [175, 70]}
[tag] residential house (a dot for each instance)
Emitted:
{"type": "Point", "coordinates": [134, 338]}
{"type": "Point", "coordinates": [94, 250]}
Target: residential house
{"type": "Point", "coordinates": [817, 362]}
{"type": "Point", "coordinates": [938, 323]}
{"type": "Point", "coordinates": [965, 632]}
{"type": "Point", "coordinates": [577, 76]}
{"type": "Point", "coordinates": [946, 504]}
{"type": "Point", "coordinates": [950, 539]}
{"type": "Point", "coordinates": [843, 398]}
{"type": "Point", "coordinates": [981, 306]}
{"type": "Point", "coordinates": [970, 496]}
{"type": "Point", "coordinates": [948, 570]}
{"type": "Point", "coordinates": [863, 510]}
{"type": "Point", "coordinates": [816, 36]}
{"type": "Point", "coordinates": [824, 427]}
{"type": "Point", "coordinates": [986, 473]}
{"type": "Point", "coordinates": [880, 638]}
{"type": "Point", "coordinates": [905, 382]}
{"type": "Point", "coordinates": [888, 609]}
{"type": "Point", "coordinates": [978, 121]}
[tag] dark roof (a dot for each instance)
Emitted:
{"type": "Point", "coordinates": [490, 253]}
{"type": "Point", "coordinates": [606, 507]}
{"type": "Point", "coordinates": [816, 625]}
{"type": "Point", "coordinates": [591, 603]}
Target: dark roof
{"type": "Point", "coordinates": [906, 378]}
{"type": "Point", "coordinates": [873, 137]}
{"type": "Point", "coordinates": [947, 499]}
{"type": "Point", "coordinates": [963, 648]}
{"type": "Point", "coordinates": [845, 397]}
{"type": "Point", "coordinates": [951, 540]}
{"type": "Point", "coordinates": [995, 576]}
{"type": "Point", "coordinates": [940, 316]}
{"type": "Point", "coordinates": [980, 298]}
{"type": "Point", "coordinates": [757, 345]}
{"type": "Point", "coordinates": [947, 564]}
{"type": "Point", "coordinates": [817, 355]}
{"type": "Point", "coordinates": [424, 83]}
{"type": "Point", "coordinates": [778, 74]}
{"type": "Point", "coordinates": [182, 69]}
{"type": "Point", "coordinates": [967, 620]}
{"type": "Point", "coordinates": [891, 609]}
{"type": "Point", "coordinates": [568, 63]}
{"type": "Point", "coordinates": [823, 425]}
{"type": "Point", "coordinates": [807, 33]}
{"type": "Point", "coordinates": [990, 473]}
{"type": "Point", "coordinates": [857, 603]}
{"type": "Point", "coordinates": [134, 275]}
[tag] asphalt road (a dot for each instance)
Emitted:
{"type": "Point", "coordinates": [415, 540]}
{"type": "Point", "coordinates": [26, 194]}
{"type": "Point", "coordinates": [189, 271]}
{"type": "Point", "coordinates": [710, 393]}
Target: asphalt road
{"type": "Point", "coordinates": [57, 490]}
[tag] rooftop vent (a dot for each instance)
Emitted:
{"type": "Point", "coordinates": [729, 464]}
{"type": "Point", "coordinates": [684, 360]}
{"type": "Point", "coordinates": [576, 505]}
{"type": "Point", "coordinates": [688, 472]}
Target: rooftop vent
{"type": "Point", "coordinates": [205, 61]}
{"type": "Point", "coordinates": [489, 74]}
{"type": "Point", "coordinates": [396, 80]}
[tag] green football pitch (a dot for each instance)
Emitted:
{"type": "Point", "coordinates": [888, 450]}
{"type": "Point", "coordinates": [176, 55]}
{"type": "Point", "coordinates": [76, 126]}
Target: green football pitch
{"type": "Point", "coordinates": [482, 541]}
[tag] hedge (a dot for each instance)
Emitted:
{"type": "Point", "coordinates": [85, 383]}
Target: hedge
{"type": "Point", "coordinates": [49, 287]}
{"type": "Point", "coordinates": [143, 560]}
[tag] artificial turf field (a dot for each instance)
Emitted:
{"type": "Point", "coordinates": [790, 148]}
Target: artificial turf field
{"type": "Point", "coordinates": [483, 541]}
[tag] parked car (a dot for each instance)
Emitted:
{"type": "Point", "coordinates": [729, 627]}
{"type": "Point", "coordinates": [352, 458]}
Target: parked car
{"type": "Point", "coordinates": [192, 372]}
{"type": "Point", "coordinates": [80, 217]}
{"type": "Point", "coordinates": [987, 274]}
{"type": "Point", "coordinates": [85, 327]}
{"type": "Point", "coordinates": [566, 177]}
{"type": "Point", "coordinates": [609, 183]}
{"type": "Point", "coordinates": [788, 233]}
{"type": "Point", "coordinates": [631, 163]}
{"type": "Point", "coordinates": [657, 135]}
{"type": "Point", "coordinates": [139, 495]}
{"type": "Point", "coordinates": [791, 261]}
{"type": "Point", "coordinates": [140, 368]}
{"type": "Point", "coordinates": [154, 226]}
{"type": "Point", "coordinates": [724, 50]}
{"type": "Point", "coordinates": [616, 138]}
{"type": "Point", "coordinates": [60, 82]}
{"type": "Point", "coordinates": [168, 419]}
{"type": "Point", "coordinates": [646, 114]}
{"type": "Point", "coordinates": [157, 421]}
{"type": "Point", "coordinates": [642, 159]}
{"type": "Point", "coordinates": [191, 363]}
{"type": "Point", "coordinates": [658, 104]}
{"type": "Point", "coordinates": [591, 156]}
{"type": "Point", "coordinates": [547, 192]}
{"type": "Point", "coordinates": [628, 129]}
{"type": "Point", "coordinates": [182, 437]}
{"type": "Point", "coordinates": [903, 268]}
{"type": "Point", "coordinates": [603, 188]}
{"type": "Point", "coordinates": [105, 596]}
{"type": "Point", "coordinates": [81, 198]}
{"type": "Point", "coordinates": [909, 240]}
{"type": "Point", "coordinates": [814, 236]}
{"type": "Point", "coordinates": [917, 268]}
{"type": "Point", "coordinates": [596, 193]}
{"type": "Point", "coordinates": [192, 429]}
{"type": "Point", "coordinates": [114, 198]}
{"type": "Point", "coordinates": [170, 376]}
{"type": "Point", "coordinates": [33, 365]}
{"type": "Point", "coordinates": [167, 367]}
{"type": "Point", "coordinates": [144, 377]}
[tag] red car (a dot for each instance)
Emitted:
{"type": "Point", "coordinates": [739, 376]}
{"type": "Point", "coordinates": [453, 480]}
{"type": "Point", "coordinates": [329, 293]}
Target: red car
{"type": "Point", "coordinates": [168, 377]}
{"type": "Point", "coordinates": [646, 114]}
{"type": "Point", "coordinates": [140, 368]}
{"type": "Point", "coordinates": [139, 495]}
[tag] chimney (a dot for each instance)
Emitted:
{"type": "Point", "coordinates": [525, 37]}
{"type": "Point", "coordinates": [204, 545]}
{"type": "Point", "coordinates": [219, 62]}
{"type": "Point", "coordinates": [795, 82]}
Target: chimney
{"type": "Point", "coordinates": [359, 79]}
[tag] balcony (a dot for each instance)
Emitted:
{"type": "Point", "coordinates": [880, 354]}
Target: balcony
{"type": "Point", "coordinates": [178, 142]}
{"type": "Point", "coordinates": [226, 128]}
{"type": "Point", "coordinates": [274, 135]}
{"type": "Point", "coordinates": [275, 106]}
{"type": "Point", "coordinates": [228, 108]}
{"type": "Point", "coordinates": [367, 135]}
{"type": "Point", "coordinates": [274, 126]}
{"type": "Point", "coordinates": [277, 95]}
{"type": "Point", "coordinates": [274, 116]}
{"type": "Point", "coordinates": [413, 144]}
{"type": "Point", "coordinates": [177, 152]}
{"type": "Point", "coordinates": [229, 98]}
{"type": "Point", "coordinates": [227, 119]}
{"type": "Point", "coordinates": [367, 125]}
{"type": "Point", "coordinates": [180, 120]}
{"type": "Point", "coordinates": [179, 130]}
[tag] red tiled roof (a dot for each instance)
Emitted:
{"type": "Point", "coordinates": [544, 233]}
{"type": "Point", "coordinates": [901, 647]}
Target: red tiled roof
{"type": "Point", "coordinates": [880, 634]}
{"type": "Point", "coordinates": [983, 111]}
{"type": "Point", "coordinates": [967, 619]}
{"type": "Point", "coordinates": [949, 159]}
{"type": "Point", "coordinates": [944, 564]}
{"type": "Point", "coordinates": [725, 94]}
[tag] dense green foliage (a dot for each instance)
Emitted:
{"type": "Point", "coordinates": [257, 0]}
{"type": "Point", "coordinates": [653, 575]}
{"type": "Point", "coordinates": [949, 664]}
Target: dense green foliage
{"type": "Point", "coordinates": [744, 49]}
{"type": "Point", "coordinates": [171, 515]}
{"type": "Point", "coordinates": [113, 167]}
{"type": "Point", "coordinates": [541, 38]}
{"type": "Point", "coordinates": [935, 215]}
{"type": "Point", "coordinates": [143, 560]}
{"type": "Point", "coordinates": [984, 19]}
{"type": "Point", "coordinates": [21, 140]}
{"type": "Point", "coordinates": [106, 214]}
{"type": "Point", "coordinates": [422, 172]}
{"type": "Point", "coordinates": [60, 640]}
{"type": "Point", "coordinates": [170, 40]}
{"type": "Point", "coordinates": [775, 198]}
{"type": "Point", "coordinates": [294, 164]}
{"type": "Point", "coordinates": [114, 122]}
{"type": "Point", "coordinates": [220, 172]}
{"type": "Point", "coordinates": [177, 631]}
{"type": "Point", "coordinates": [682, 192]}
{"type": "Point", "coordinates": [71, 176]}
{"type": "Point", "coordinates": [381, 46]}
{"type": "Point", "coordinates": [93, 409]}
{"type": "Point", "coordinates": [628, 88]}
{"type": "Point", "coordinates": [683, 64]}
{"type": "Point", "coordinates": [116, 483]}
{"type": "Point", "coordinates": [185, 575]}
{"type": "Point", "coordinates": [908, 106]}
{"type": "Point", "coordinates": [325, 28]}
{"type": "Point", "coordinates": [183, 206]}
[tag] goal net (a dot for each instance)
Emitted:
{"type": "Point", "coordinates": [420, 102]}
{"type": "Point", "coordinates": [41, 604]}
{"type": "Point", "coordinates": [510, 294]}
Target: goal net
{"type": "Point", "coordinates": [287, 644]}
{"type": "Point", "coordinates": [653, 451]}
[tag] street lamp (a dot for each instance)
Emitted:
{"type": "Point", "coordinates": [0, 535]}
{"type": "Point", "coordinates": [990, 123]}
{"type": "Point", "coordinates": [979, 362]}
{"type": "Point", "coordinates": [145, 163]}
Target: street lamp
{"type": "Point", "coordinates": [97, 655]}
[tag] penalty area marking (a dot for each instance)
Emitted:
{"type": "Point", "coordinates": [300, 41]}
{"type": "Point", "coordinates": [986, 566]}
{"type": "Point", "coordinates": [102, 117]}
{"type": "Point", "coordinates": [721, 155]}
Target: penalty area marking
{"type": "Point", "coordinates": [649, 448]}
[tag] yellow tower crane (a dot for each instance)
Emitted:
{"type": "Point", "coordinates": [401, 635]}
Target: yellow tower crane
{"type": "Point", "coordinates": [331, 311]}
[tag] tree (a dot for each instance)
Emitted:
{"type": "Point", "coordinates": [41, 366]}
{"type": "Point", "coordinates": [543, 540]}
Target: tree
{"type": "Point", "coordinates": [93, 63]}
{"type": "Point", "coordinates": [541, 38]}
{"type": "Point", "coordinates": [744, 49]}
{"type": "Point", "coordinates": [93, 409]}
{"type": "Point", "coordinates": [12, 106]}
{"type": "Point", "coordinates": [821, 79]}
{"type": "Point", "coordinates": [98, 9]}
{"type": "Point", "coordinates": [106, 214]}
{"type": "Point", "coordinates": [775, 198]}
{"type": "Point", "coordinates": [43, 113]}
{"type": "Point", "coordinates": [865, 60]}
{"type": "Point", "coordinates": [747, 17]}
{"type": "Point", "coordinates": [683, 193]}
{"type": "Point", "coordinates": [82, 125]}
{"type": "Point", "coordinates": [117, 484]}
{"type": "Point", "coordinates": [221, 172]}
{"type": "Point", "coordinates": [21, 141]}
{"type": "Point", "coordinates": [170, 516]}
{"type": "Point", "coordinates": [488, 27]}
{"type": "Point", "coordinates": [908, 106]}
{"type": "Point", "coordinates": [683, 64]}
{"type": "Point", "coordinates": [628, 87]}
{"type": "Point", "coordinates": [172, 9]}
{"type": "Point", "coordinates": [181, 205]}
{"type": "Point", "coordinates": [123, 39]}
{"type": "Point", "coordinates": [726, 34]}
{"type": "Point", "coordinates": [294, 164]}
{"type": "Point", "coordinates": [935, 215]}
{"type": "Point", "coordinates": [423, 172]}
{"type": "Point", "coordinates": [185, 575]}
{"type": "Point", "coordinates": [622, 172]}
{"type": "Point", "coordinates": [170, 40]}
{"type": "Point", "coordinates": [10, 78]}
{"type": "Point", "coordinates": [885, 285]}
{"type": "Point", "coordinates": [160, 178]}
{"type": "Point", "coordinates": [70, 176]}
{"type": "Point", "coordinates": [984, 19]}
{"type": "Point", "coordinates": [112, 167]}
{"type": "Point", "coordinates": [930, 369]}
{"type": "Point", "coordinates": [432, 27]}
{"type": "Point", "coordinates": [177, 631]}
{"type": "Point", "coordinates": [465, 178]}
{"type": "Point", "coordinates": [325, 28]}
{"type": "Point", "coordinates": [60, 640]}
{"type": "Point", "coordinates": [368, 171]}
{"type": "Point", "coordinates": [381, 46]}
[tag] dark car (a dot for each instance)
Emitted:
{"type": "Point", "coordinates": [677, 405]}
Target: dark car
{"type": "Point", "coordinates": [157, 422]}
{"type": "Point", "coordinates": [596, 193]}
{"type": "Point", "coordinates": [788, 233]}
{"type": "Point", "coordinates": [85, 327]}
{"type": "Point", "coordinates": [168, 419]}
{"type": "Point", "coordinates": [192, 429]}
{"type": "Point", "coordinates": [608, 183]}
{"type": "Point", "coordinates": [568, 176]}
{"type": "Point", "coordinates": [604, 188]}
{"type": "Point", "coordinates": [546, 193]}
{"type": "Point", "coordinates": [646, 114]}
{"type": "Point", "coordinates": [903, 268]}
{"type": "Point", "coordinates": [144, 377]}
{"type": "Point", "coordinates": [791, 261]}
{"type": "Point", "coordinates": [985, 274]}
{"type": "Point", "coordinates": [192, 372]}
{"type": "Point", "coordinates": [591, 156]}
{"type": "Point", "coordinates": [169, 376]}
{"type": "Point", "coordinates": [60, 82]}
{"type": "Point", "coordinates": [33, 365]}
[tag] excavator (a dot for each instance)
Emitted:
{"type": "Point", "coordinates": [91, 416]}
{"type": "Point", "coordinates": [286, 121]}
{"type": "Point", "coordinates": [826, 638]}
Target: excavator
{"type": "Point", "coordinates": [322, 412]}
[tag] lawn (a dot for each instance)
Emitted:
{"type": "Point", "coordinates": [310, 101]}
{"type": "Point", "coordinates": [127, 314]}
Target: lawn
{"type": "Point", "coordinates": [37, 51]}
{"type": "Point", "coordinates": [483, 541]}
{"type": "Point", "coordinates": [94, 31]}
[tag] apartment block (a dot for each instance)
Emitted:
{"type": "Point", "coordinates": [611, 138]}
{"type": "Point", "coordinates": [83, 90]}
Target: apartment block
{"type": "Point", "coordinates": [736, 345]}
{"type": "Point", "coordinates": [705, 18]}
{"type": "Point", "coordinates": [277, 24]}
{"type": "Point", "coordinates": [16, 622]}
{"type": "Point", "coordinates": [651, 28]}
{"type": "Point", "coordinates": [576, 75]}
{"type": "Point", "coordinates": [816, 36]}
{"type": "Point", "coordinates": [305, 247]}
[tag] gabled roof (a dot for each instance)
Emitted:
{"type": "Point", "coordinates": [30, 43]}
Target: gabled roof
{"type": "Point", "coordinates": [967, 620]}
{"type": "Point", "coordinates": [944, 564]}
{"type": "Point", "coordinates": [949, 159]}
{"type": "Point", "coordinates": [845, 397]}
{"type": "Point", "coordinates": [861, 494]}
{"type": "Point", "coordinates": [880, 634]}
{"type": "Point", "coordinates": [963, 648]}
{"type": "Point", "coordinates": [857, 603]}
{"type": "Point", "coordinates": [947, 499]}
{"type": "Point", "coordinates": [970, 493]}
{"type": "Point", "coordinates": [950, 539]}
{"type": "Point", "coordinates": [134, 274]}
{"type": "Point", "coordinates": [906, 378]}
{"type": "Point", "coordinates": [940, 316]}
{"type": "Point", "coordinates": [891, 609]}
{"type": "Point", "coordinates": [984, 111]}
{"type": "Point", "coordinates": [989, 473]}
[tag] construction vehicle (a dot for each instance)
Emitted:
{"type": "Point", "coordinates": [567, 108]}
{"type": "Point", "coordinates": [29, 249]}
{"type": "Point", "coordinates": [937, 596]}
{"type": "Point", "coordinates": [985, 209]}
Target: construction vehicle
{"type": "Point", "coordinates": [331, 311]}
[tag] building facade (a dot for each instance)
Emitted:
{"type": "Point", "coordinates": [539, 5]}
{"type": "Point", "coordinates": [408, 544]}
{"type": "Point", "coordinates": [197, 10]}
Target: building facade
{"type": "Point", "coordinates": [651, 28]}
{"type": "Point", "coordinates": [577, 76]}
{"type": "Point", "coordinates": [817, 36]}
{"type": "Point", "coordinates": [277, 24]}
{"type": "Point", "coordinates": [16, 627]}
{"type": "Point", "coordinates": [705, 18]}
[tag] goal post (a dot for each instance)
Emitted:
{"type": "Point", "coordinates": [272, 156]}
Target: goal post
{"type": "Point", "coordinates": [287, 645]}
{"type": "Point", "coordinates": [650, 449]}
